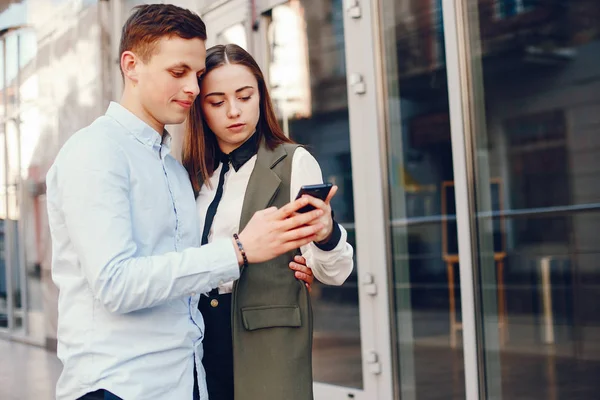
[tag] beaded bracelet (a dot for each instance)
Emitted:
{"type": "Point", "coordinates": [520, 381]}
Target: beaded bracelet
{"type": "Point", "coordinates": [239, 244]}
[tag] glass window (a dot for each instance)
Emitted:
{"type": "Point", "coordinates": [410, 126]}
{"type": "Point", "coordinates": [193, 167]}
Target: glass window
{"type": "Point", "coordinates": [307, 80]}
{"type": "Point", "coordinates": [423, 229]}
{"type": "Point", "coordinates": [235, 34]}
{"type": "Point", "coordinates": [19, 129]}
{"type": "Point", "coordinates": [3, 196]}
{"type": "Point", "coordinates": [3, 91]}
{"type": "Point", "coordinates": [537, 155]}
{"type": "Point", "coordinates": [14, 14]}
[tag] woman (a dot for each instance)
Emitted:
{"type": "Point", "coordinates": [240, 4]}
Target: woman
{"type": "Point", "coordinates": [258, 338]}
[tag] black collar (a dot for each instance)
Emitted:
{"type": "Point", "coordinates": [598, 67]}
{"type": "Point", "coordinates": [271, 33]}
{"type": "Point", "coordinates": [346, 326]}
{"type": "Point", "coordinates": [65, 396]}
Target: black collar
{"type": "Point", "coordinates": [239, 156]}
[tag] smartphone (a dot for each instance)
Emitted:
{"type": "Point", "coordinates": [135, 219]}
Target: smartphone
{"type": "Point", "coordinates": [320, 191]}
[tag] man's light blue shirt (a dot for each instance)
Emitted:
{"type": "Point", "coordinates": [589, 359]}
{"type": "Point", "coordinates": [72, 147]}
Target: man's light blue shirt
{"type": "Point", "coordinates": [127, 262]}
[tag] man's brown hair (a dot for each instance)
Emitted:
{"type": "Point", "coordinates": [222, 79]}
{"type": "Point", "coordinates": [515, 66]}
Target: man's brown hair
{"type": "Point", "coordinates": [151, 22]}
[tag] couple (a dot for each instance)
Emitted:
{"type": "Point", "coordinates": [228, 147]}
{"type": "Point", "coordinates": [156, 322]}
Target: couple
{"type": "Point", "coordinates": [136, 259]}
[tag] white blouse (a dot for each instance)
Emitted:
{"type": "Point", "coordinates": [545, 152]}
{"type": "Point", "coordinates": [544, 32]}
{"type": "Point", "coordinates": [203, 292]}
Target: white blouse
{"type": "Point", "coordinates": [330, 267]}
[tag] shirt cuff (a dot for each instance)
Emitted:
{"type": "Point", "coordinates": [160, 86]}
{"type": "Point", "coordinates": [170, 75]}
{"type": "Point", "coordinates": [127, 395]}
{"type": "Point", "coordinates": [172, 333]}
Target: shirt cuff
{"type": "Point", "coordinates": [333, 240]}
{"type": "Point", "coordinates": [227, 258]}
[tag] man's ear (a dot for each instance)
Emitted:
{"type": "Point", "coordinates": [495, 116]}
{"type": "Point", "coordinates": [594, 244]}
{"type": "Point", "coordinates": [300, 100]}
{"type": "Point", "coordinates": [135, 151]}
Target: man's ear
{"type": "Point", "coordinates": [129, 66]}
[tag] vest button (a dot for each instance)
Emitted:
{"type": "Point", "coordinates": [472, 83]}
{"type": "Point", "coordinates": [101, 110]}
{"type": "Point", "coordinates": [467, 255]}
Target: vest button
{"type": "Point", "coordinates": [214, 302]}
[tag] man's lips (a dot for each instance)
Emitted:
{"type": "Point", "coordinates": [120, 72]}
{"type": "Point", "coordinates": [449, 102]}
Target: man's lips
{"type": "Point", "coordinates": [184, 103]}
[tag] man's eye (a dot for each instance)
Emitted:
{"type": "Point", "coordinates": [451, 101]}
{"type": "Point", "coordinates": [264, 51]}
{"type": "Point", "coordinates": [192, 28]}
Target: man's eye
{"type": "Point", "coordinates": [177, 74]}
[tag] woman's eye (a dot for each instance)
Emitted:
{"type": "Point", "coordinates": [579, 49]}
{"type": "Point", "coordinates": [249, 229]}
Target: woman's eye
{"type": "Point", "coordinates": [216, 104]}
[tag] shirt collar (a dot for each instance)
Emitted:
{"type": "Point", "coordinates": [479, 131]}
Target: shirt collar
{"type": "Point", "coordinates": [138, 128]}
{"type": "Point", "coordinates": [241, 155]}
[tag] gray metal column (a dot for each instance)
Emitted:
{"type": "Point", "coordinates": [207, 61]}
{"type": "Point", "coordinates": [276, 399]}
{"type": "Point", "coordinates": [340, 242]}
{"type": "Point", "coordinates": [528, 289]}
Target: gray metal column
{"type": "Point", "coordinates": [458, 91]}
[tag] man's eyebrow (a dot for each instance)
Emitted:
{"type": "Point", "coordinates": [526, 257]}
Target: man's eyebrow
{"type": "Point", "coordinates": [180, 65]}
{"type": "Point", "coordinates": [186, 67]}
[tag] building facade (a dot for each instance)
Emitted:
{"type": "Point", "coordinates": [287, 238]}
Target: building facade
{"type": "Point", "coordinates": [464, 136]}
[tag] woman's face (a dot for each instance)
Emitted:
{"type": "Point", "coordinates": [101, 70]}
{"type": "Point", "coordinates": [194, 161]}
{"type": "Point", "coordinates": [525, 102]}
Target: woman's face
{"type": "Point", "coordinates": [230, 104]}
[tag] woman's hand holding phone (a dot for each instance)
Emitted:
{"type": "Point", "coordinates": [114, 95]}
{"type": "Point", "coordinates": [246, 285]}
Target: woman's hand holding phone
{"type": "Point", "coordinates": [326, 219]}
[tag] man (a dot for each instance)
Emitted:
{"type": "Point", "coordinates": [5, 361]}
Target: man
{"type": "Point", "coordinates": [125, 233]}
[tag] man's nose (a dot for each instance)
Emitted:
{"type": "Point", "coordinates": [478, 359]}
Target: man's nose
{"type": "Point", "coordinates": [192, 87]}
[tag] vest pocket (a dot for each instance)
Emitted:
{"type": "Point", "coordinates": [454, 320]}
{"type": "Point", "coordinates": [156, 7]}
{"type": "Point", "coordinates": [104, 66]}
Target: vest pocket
{"type": "Point", "coordinates": [271, 317]}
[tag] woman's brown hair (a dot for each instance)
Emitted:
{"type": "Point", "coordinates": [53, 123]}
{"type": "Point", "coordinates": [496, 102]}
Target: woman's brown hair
{"type": "Point", "coordinates": [200, 144]}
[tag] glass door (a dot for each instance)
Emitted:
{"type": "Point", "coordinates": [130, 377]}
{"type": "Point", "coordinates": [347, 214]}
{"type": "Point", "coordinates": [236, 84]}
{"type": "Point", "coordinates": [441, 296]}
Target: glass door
{"type": "Point", "coordinates": [21, 305]}
{"type": "Point", "coordinates": [316, 71]}
{"type": "Point", "coordinates": [425, 260]}
{"type": "Point", "coordinates": [307, 78]}
{"type": "Point", "coordinates": [535, 108]}
{"type": "Point", "coordinates": [6, 270]}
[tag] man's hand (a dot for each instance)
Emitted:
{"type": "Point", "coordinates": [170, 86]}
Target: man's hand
{"type": "Point", "coordinates": [272, 232]}
{"type": "Point", "coordinates": [326, 219]}
{"type": "Point", "coordinates": [303, 272]}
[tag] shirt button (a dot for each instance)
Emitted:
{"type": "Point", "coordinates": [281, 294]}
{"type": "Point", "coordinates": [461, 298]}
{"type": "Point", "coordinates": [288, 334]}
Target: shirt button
{"type": "Point", "coordinates": [193, 294]}
{"type": "Point", "coordinates": [214, 303]}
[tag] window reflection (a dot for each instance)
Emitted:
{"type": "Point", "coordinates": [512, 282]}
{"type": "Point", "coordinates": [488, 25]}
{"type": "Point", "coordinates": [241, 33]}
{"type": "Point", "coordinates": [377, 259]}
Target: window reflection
{"type": "Point", "coordinates": [540, 137]}
{"type": "Point", "coordinates": [235, 34]}
{"type": "Point", "coordinates": [306, 64]}
{"type": "Point", "coordinates": [426, 263]}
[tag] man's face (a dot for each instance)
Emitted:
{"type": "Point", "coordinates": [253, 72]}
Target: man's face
{"type": "Point", "coordinates": [167, 84]}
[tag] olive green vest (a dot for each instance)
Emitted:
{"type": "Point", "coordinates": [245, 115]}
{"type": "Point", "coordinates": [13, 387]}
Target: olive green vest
{"type": "Point", "coordinates": [271, 314]}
